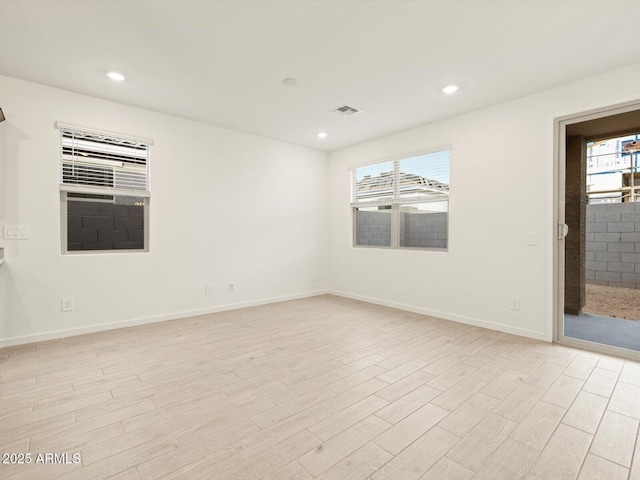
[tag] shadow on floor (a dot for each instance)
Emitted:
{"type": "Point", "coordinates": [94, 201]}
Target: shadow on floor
{"type": "Point", "coordinates": [616, 332]}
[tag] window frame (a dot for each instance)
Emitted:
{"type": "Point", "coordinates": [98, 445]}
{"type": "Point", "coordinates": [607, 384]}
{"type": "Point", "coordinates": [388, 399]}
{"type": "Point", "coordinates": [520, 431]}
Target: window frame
{"type": "Point", "coordinates": [67, 188]}
{"type": "Point", "coordinates": [396, 202]}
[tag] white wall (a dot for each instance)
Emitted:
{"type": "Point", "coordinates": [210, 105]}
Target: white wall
{"type": "Point", "coordinates": [502, 167]}
{"type": "Point", "coordinates": [268, 215]}
{"type": "Point", "coordinates": [256, 215]}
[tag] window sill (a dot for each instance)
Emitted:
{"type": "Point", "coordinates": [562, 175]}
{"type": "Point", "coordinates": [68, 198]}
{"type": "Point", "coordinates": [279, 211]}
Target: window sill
{"type": "Point", "coordinates": [82, 253]}
{"type": "Point", "coordinates": [413, 249]}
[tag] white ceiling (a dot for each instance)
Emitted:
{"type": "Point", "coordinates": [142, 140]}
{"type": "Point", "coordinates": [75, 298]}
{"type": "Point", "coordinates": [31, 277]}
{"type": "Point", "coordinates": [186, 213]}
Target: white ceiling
{"type": "Point", "coordinates": [223, 62]}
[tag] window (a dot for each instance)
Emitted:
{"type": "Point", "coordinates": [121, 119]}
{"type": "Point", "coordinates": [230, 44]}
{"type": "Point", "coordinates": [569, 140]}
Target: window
{"type": "Point", "coordinates": [403, 203]}
{"type": "Point", "coordinates": [104, 189]}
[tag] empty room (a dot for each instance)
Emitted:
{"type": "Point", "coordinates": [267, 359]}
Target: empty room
{"type": "Point", "coordinates": [336, 240]}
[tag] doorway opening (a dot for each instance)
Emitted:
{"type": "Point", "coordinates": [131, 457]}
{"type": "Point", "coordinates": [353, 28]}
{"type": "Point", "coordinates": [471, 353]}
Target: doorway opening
{"type": "Point", "coordinates": [601, 250]}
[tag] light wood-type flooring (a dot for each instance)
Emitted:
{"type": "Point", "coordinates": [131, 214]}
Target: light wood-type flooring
{"type": "Point", "coordinates": [323, 387]}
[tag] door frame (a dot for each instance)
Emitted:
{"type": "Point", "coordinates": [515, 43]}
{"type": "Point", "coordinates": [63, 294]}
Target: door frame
{"type": "Point", "coordinates": [559, 154]}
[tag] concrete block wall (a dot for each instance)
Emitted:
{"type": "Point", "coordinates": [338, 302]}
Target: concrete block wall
{"type": "Point", "coordinates": [423, 230]}
{"type": "Point", "coordinates": [613, 244]}
{"type": "Point", "coordinates": [373, 228]}
{"type": "Point", "coordinates": [426, 230]}
{"type": "Point", "coordinates": [104, 226]}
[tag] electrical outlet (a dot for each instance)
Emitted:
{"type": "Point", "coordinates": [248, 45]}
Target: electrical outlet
{"type": "Point", "coordinates": [531, 239]}
{"type": "Point", "coordinates": [232, 287]}
{"type": "Point", "coordinates": [67, 304]}
{"type": "Point", "coordinates": [208, 290]}
{"type": "Point", "coordinates": [514, 303]}
{"type": "Point", "coordinates": [314, 277]}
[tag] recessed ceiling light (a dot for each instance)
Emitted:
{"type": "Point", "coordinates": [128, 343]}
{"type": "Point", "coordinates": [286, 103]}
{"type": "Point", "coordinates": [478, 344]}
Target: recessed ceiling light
{"type": "Point", "coordinates": [290, 82]}
{"type": "Point", "coordinates": [450, 89]}
{"type": "Point", "coordinates": [322, 135]}
{"type": "Point", "coordinates": [115, 76]}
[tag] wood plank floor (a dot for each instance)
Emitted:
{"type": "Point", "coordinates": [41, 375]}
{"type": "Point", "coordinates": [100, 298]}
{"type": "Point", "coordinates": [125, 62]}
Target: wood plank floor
{"type": "Point", "coordinates": [325, 388]}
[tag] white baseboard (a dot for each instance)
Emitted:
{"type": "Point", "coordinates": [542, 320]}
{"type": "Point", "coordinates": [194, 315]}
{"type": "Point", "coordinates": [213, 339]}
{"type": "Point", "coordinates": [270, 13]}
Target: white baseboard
{"type": "Point", "coordinates": [59, 334]}
{"type": "Point", "coordinates": [448, 316]}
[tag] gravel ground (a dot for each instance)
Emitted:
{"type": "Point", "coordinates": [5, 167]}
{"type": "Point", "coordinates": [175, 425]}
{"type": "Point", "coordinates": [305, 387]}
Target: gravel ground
{"type": "Point", "coordinates": [613, 301]}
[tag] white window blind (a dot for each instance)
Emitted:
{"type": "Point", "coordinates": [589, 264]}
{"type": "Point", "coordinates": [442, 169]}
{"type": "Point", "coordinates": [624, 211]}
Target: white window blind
{"type": "Point", "coordinates": [103, 164]}
{"type": "Point", "coordinates": [422, 178]}
{"type": "Point", "coordinates": [373, 183]}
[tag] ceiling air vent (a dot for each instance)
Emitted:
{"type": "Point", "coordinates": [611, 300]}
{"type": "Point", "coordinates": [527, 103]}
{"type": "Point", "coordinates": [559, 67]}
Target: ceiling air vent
{"type": "Point", "coordinates": [346, 110]}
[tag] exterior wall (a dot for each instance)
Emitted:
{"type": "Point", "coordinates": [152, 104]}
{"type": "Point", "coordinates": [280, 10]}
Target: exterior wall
{"type": "Point", "coordinates": [613, 244]}
{"type": "Point", "coordinates": [373, 228]}
{"type": "Point", "coordinates": [575, 214]}
{"type": "Point", "coordinates": [104, 226]}
{"type": "Point", "coordinates": [424, 230]}
{"type": "Point", "coordinates": [417, 230]}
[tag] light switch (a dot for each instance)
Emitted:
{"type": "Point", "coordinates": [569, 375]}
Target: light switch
{"type": "Point", "coordinates": [16, 232]}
